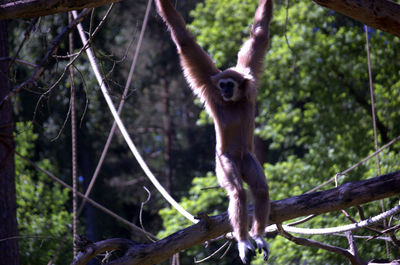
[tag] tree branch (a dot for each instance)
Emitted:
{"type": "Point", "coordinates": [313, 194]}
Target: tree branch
{"type": "Point", "coordinates": [378, 14]}
{"type": "Point", "coordinates": [37, 8]}
{"type": "Point", "coordinates": [351, 254]}
{"type": "Point", "coordinates": [347, 195]}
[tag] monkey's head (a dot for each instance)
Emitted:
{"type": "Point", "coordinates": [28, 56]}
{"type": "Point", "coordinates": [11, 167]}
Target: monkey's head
{"type": "Point", "coordinates": [232, 84]}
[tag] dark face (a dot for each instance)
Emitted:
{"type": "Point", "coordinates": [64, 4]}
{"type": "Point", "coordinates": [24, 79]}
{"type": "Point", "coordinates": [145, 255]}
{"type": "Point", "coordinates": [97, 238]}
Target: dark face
{"type": "Point", "coordinates": [228, 88]}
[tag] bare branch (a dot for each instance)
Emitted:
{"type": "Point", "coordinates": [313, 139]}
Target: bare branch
{"type": "Point", "coordinates": [351, 253]}
{"type": "Point", "coordinates": [37, 8]}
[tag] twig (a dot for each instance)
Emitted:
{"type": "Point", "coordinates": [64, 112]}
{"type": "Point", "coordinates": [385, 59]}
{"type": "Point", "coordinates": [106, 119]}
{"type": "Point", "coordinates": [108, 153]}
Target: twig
{"type": "Point", "coordinates": [19, 61]}
{"type": "Point", "coordinates": [26, 37]}
{"type": "Point", "coordinates": [85, 45]}
{"type": "Point", "coordinates": [213, 254]}
{"type": "Point", "coordinates": [42, 65]}
{"type": "Point", "coordinates": [27, 236]}
{"type": "Point", "coordinates": [141, 211]}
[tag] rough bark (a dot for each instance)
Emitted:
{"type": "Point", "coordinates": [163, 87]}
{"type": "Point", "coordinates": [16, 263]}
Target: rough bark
{"type": "Point", "coordinates": [347, 195]}
{"type": "Point", "coordinates": [37, 8]}
{"type": "Point", "coordinates": [378, 14]}
{"type": "Point", "coordinates": [8, 206]}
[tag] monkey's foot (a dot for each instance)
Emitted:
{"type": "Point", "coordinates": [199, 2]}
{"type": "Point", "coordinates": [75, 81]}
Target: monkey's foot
{"type": "Point", "coordinates": [262, 245]}
{"type": "Point", "coordinates": [246, 251]}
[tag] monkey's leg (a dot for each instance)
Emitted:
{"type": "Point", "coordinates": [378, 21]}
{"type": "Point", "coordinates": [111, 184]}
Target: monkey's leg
{"type": "Point", "coordinates": [255, 178]}
{"type": "Point", "coordinates": [229, 178]}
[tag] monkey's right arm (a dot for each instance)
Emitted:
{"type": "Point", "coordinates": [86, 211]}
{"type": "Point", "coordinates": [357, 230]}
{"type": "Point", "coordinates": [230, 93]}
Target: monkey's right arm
{"type": "Point", "coordinates": [196, 63]}
{"type": "Point", "coordinates": [252, 54]}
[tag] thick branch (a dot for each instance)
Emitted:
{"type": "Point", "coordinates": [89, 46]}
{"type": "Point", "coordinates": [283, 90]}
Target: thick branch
{"type": "Point", "coordinates": [378, 14]}
{"type": "Point", "coordinates": [347, 195]}
{"type": "Point", "coordinates": [37, 8]}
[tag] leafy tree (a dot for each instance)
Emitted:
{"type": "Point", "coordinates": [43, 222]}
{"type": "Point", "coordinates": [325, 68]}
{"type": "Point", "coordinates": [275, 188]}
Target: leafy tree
{"type": "Point", "coordinates": [42, 215]}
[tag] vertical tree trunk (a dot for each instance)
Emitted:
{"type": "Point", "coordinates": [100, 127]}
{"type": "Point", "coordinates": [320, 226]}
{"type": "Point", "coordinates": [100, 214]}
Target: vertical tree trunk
{"type": "Point", "coordinates": [8, 207]}
{"type": "Point", "coordinates": [167, 134]}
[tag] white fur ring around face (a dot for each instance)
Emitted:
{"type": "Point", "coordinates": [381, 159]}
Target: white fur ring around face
{"type": "Point", "coordinates": [246, 251]}
{"type": "Point", "coordinates": [262, 245]}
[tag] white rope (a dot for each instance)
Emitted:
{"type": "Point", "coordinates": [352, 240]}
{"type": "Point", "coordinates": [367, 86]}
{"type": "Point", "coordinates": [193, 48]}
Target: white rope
{"type": "Point", "coordinates": [124, 132]}
{"type": "Point", "coordinates": [339, 229]}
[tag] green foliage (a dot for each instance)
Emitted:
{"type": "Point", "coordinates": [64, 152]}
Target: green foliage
{"type": "Point", "coordinates": [42, 216]}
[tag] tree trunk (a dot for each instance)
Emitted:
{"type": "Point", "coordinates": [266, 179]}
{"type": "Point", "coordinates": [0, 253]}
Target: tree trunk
{"type": "Point", "coordinates": [8, 206]}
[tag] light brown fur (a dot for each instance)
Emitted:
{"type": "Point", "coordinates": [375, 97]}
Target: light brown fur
{"type": "Point", "coordinates": [233, 118]}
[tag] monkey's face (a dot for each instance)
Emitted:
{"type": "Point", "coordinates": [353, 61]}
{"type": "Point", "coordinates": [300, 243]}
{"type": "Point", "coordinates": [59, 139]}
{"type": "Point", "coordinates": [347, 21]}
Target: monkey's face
{"type": "Point", "coordinates": [228, 89]}
{"type": "Point", "coordinates": [231, 84]}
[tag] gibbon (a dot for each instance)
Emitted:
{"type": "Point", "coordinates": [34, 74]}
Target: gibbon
{"type": "Point", "coordinates": [230, 99]}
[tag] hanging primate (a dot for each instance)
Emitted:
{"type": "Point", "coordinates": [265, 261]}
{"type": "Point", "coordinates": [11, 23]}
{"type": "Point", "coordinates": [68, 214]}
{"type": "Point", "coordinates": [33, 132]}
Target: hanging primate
{"type": "Point", "coordinates": [230, 99]}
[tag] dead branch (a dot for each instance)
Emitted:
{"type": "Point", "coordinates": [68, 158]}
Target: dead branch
{"type": "Point", "coordinates": [347, 195]}
{"type": "Point", "coordinates": [37, 8]}
{"type": "Point", "coordinates": [351, 254]}
{"type": "Point", "coordinates": [378, 14]}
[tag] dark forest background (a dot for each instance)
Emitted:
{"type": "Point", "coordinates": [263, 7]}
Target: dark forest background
{"type": "Point", "coordinates": [314, 120]}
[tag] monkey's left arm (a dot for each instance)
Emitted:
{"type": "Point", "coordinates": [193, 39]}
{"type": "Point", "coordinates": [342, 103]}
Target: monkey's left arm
{"type": "Point", "coordinates": [251, 55]}
{"type": "Point", "coordinates": [196, 63]}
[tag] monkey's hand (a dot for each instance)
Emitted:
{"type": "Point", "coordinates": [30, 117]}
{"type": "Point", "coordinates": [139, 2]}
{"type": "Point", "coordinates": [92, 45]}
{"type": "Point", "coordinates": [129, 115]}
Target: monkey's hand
{"type": "Point", "coordinates": [246, 251]}
{"type": "Point", "coordinates": [262, 245]}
